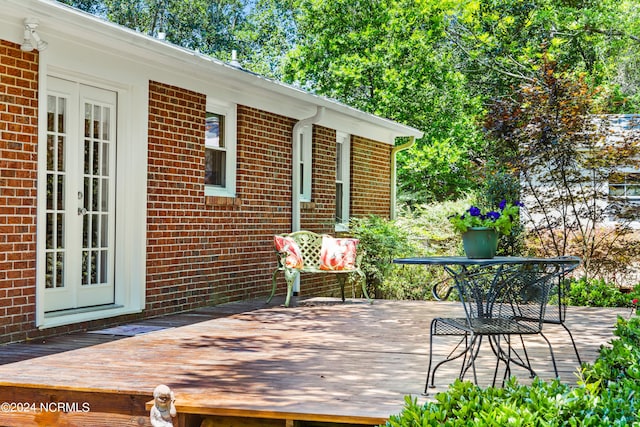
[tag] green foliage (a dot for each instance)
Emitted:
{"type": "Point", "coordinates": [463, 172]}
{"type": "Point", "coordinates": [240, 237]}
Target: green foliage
{"type": "Point", "coordinates": [598, 293]}
{"type": "Point", "coordinates": [607, 395]}
{"type": "Point", "coordinates": [391, 58]}
{"type": "Point", "coordinates": [382, 241]}
{"type": "Point", "coordinates": [502, 220]}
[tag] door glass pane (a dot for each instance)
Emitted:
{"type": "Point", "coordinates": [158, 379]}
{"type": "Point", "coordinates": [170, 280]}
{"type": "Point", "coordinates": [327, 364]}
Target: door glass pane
{"type": "Point", "coordinates": [86, 194]}
{"type": "Point", "coordinates": [60, 231]}
{"type": "Point", "coordinates": [93, 267]}
{"type": "Point", "coordinates": [87, 156]}
{"type": "Point", "coordinates": [85, 268]}
{"type": "Point", "coordinates": [95, 194]}
{"type": "Point", "coordinates": [105, 159]}
{"type": "Point", "coordinates": [87, 120]}
{"type": "Point", "coordinates": [104, 232]}
{"type": "Point", "coordinates": [105, 195]}
{"type": "Point", "coordinates": [85, 230]}
{"type": "Point", "coordinates": [60, 153]}
{"type": "Point", "coordinates": [60, 192]}
{"type": "Point", "coordinates": [62, 113]}
{"type": "Point", "coordinates": [59, 270]}
{"type": "Point", "coordinates": [106, 124]}
{"type": "Point", "coordinates": [51, 179]}
{"type": "Point", "coordinates": [51, 154]}
{"type": "Point", "coordinates": [49, 269]}
{"type": "Point", "coordinates": [96, 157]}
{"type": "Point", "coordinates": [95, 228]}
{"type": "Point", "coordinates": [51, 113]}
{"type": "Point", "coordinates": [96, 121]}
{"type": "Point", "coordinates": [103, 267]}
{"type": "Point", "coordinates": [50, 231]}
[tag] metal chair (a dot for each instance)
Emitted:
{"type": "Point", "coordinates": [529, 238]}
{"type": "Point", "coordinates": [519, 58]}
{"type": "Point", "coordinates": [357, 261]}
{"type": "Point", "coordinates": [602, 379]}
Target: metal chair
{"type": "Point", "coordinates": [500, 300]}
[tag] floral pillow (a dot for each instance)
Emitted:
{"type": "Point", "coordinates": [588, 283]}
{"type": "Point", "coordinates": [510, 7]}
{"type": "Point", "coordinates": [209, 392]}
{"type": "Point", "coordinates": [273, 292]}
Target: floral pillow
{"type": "Point", "coordinates": [288, 245]}
{"type": "Point", "coordinates": [338, 253]}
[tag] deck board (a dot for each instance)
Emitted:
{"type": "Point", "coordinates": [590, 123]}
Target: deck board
{"type": "Point", "coordinates": [322, 357]}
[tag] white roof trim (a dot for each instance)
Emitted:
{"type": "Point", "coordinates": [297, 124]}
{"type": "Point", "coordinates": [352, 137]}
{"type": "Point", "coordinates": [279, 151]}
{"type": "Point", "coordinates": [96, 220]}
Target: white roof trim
{"type": "Point", "coordinates": [67, 22]}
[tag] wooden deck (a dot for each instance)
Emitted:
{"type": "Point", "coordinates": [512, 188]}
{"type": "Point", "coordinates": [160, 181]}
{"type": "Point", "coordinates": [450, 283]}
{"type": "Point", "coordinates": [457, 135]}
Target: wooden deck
{"type": "Point", "coordinates": [249, 364]}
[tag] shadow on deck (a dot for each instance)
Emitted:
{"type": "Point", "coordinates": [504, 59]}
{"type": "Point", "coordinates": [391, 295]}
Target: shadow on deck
{"type": "Point", "coordinates": [322, 362]}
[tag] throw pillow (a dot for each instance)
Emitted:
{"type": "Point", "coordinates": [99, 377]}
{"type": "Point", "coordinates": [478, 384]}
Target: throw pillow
{"type": "Point", "coordinates": [338, 253]}
{"type": "Point", "coordinates": [291, 248]}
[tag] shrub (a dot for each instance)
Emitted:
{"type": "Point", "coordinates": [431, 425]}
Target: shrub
{"type": "Point", "coordinates": [607, 395]}
{"type": "Point", "coordinates": [598, 293]}
{"type": "Point", "coordinates": [382, 241]}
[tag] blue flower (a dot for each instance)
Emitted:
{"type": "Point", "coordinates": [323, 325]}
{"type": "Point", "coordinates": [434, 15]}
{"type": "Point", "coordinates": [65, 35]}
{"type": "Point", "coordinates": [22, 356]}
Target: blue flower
{"type": "Point", "coordinates": [503, 204]}
{"type": "Point", "coordinates": [493, 215]}
{"type": "Point", "coordinates": [474, 211]}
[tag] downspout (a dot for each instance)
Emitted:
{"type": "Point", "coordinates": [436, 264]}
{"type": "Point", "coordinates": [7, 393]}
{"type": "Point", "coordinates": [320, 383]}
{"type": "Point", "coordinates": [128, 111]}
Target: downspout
{"type": "Point", "coordinates": [295, 176]}
{"type": "Point", "coordinates": [295, 170]}
{"type": "Point", "coordinates": [394, 151]}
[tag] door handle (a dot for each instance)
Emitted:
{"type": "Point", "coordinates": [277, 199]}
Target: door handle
{"type": "Point", "coordinates": [82, 211]}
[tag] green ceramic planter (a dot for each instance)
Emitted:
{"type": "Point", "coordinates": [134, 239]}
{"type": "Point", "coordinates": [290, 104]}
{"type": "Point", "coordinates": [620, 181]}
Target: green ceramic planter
{"type": "Point", "coordinates": [480, 242]}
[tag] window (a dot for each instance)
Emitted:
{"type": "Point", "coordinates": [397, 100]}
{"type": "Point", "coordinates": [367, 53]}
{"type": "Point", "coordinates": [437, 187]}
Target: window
{"type": "Point", "coordinates": [342, 180]}
{"type": "Point", "coordinates": [220, 150]}
{"type": "Point", "coordinates": [216, 152]}
{"type": "Point", "coordinates": [625, 185]}
{"type": "Point", "coordinates": [306, 142]}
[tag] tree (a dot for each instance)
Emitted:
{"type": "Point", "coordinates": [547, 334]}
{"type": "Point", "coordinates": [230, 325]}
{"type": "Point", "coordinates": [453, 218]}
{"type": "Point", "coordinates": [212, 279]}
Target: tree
{"type": "Point", "coordinates": [501, 43]}
{"type": "Point", "coordinates": [390, 58]}
{"type": "Point", "coordinates": [549, 135]}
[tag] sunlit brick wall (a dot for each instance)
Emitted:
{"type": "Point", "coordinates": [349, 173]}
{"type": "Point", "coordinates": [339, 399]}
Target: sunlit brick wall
{"type": "Point", "coordinates": [18, 178]}
{"type": "Point", "coordinates": [370, 177]}
{"type": "Point", "coordinates": [206, 250]}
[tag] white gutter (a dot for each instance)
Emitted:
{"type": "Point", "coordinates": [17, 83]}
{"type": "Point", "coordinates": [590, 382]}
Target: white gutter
{"type": "Point", "coordinates": [394, 151]}
{"type": "Point", "coordinates": [296, 179]}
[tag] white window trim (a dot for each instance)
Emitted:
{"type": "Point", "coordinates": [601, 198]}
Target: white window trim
{"type": "Point", "coordinates": [306, 158]}
{"type": "Point", "coordinates": [229, 111]}
{"type": "Point", "coordinates": [345, 139]}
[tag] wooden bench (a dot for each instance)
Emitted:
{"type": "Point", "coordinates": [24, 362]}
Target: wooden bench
{"type": "Point", "coordinates": [308, 252]}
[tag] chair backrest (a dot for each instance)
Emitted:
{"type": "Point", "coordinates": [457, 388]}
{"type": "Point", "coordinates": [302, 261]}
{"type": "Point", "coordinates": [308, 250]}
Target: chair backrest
{"type": "Point", "coordinates": [557, 308]}
{"type": "Point", "coordinates": [514, 292]}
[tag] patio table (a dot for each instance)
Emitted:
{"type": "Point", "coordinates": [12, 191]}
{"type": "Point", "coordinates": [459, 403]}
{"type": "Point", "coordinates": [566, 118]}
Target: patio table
{"type": "Point", "coordinates": [501, 296]}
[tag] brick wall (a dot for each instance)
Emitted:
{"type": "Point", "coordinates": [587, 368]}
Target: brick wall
{"type": "Point", "coordinates": [205, 250]}
{"type": "Point", "coordinates": [370, 177]}
{"type": "Point", "coordinates": [18, 177]}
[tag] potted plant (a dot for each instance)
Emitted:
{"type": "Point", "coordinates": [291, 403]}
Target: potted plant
{"type": "Point", "coordinates": [481, 229]}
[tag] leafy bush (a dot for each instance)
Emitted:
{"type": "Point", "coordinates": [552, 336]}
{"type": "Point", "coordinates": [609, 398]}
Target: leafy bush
{"type": "Point", "coordinates": [382, 241]}
{"type": "Point", "coordinates": [607, 395]}
{"type": "Point", "coordinates": [598, 293]}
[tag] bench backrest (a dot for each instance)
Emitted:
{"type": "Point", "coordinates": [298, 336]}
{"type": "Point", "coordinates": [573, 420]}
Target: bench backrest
{"type": "Point", "coordinates": [310, 249]}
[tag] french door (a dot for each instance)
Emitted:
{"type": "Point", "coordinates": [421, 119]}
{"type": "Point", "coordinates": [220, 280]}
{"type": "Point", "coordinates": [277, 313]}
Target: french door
{"type": "Point", "coordinates": [80, 196]}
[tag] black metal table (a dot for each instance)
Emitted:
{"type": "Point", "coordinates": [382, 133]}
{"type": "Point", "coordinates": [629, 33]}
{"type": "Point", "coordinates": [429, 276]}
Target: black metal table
{"type": "Point", "coordinates": [501, 296]}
